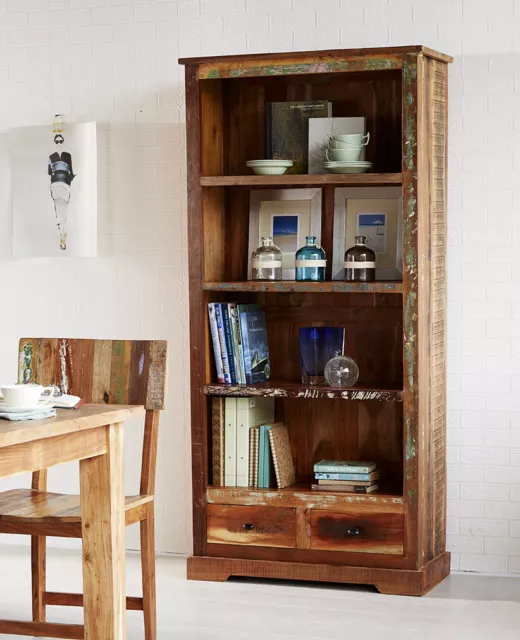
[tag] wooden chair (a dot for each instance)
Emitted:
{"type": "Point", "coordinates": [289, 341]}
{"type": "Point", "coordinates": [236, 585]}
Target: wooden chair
{"type": "Point", "coordinates": [99, 371]}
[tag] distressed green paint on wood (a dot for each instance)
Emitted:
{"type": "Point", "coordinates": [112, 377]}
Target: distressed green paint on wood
{"type": "Point", "coordinates": [332, 66]}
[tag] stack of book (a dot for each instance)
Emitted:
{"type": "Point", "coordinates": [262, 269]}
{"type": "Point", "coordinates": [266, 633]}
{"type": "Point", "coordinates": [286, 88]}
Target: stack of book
{"type": "Point", "coordinates": [248, 448]}
{"type": "Point", "coordinates": [240, 344]}
{"type": "Point", "coordinates": [345, 476]}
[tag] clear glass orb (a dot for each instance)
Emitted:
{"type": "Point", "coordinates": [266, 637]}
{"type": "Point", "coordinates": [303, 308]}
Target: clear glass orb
{"type": "Point", "coordinates": [341, 371]}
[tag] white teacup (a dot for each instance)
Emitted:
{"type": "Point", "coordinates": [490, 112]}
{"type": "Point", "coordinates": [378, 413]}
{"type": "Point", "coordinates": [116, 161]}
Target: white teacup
{"type": "Point", "coordinates": [26, 395]}
{"type": "Point", "coordinates": [351, 139]}
{"type": "Point", "coordinates": [344, 155]}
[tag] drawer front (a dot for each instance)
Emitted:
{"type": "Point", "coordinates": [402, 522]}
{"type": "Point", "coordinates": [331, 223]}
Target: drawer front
{"type": "Point", "coordinates": [361, 533]}
{"type": "Point", "coordinates": [255, 526]}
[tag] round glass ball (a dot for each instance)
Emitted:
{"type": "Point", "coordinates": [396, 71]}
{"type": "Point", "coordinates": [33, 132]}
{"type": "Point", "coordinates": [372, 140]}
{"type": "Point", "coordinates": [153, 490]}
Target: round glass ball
{"type": "Point", "coordinates": [341, 371]}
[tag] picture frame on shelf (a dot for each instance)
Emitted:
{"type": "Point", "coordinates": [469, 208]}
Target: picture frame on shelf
{"type": "Point", "coordinates": [374, 212]}
{"type": "Point", "coordinates": [288, 215]}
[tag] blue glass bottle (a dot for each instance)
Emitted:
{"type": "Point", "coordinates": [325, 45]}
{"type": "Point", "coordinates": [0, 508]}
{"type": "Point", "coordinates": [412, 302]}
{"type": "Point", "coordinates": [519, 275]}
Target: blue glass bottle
{"type": "Point", "coordinates": [311, 261]}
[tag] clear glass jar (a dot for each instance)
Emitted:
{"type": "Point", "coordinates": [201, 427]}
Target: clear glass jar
{"type": "Point", "coordinates": [341, 371]}
{"type": "Point", "coordinates": [266, 261]}
{"type": "Point", "coordinates": [311, 261]}
{"type": "Point", "coordinates": [360, 262]}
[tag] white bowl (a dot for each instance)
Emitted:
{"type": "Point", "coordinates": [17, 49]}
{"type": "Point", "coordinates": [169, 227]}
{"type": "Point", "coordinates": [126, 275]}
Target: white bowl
{"type": "Point", "coordinates": [263, 170]}
{"type": "Point", "coordinates": [269, 163]}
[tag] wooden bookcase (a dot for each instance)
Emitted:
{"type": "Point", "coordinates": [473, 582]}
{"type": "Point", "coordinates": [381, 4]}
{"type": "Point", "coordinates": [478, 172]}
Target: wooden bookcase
{"type": "Point", "coordinates": [395, 330]}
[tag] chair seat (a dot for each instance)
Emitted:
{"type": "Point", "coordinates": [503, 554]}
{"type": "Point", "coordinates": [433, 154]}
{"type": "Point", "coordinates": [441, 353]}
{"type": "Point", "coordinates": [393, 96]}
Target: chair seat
{"type": "Point", "coordinates": [32, 506]}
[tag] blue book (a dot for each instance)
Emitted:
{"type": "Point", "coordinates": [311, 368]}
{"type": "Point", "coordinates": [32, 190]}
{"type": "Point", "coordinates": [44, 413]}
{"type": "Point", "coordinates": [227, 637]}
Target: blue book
{"type": "Point", "coordinates": [256, 348]}
{"type": "Point", "coordinates": [264, 459]}
{"type": "Point", "coordinates": [355, 477]}
{"type": "Point", "coordinates": [222, 341]}
{"type": "Point", "coordinates": [229, 342]}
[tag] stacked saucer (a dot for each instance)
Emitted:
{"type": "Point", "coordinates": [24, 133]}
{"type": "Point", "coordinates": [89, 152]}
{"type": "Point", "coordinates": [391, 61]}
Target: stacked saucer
{"type": "Point", "coordinates": [359, 166]}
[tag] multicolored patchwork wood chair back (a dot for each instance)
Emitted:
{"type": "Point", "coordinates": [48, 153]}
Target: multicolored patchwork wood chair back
{"type": "Point", "coordinates": [98, 371]}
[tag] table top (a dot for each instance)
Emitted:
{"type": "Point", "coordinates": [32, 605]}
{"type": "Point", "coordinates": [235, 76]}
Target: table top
{"type": "Point", "coordinates": [89, 416]}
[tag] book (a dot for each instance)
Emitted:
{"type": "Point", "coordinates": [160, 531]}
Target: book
{"type": "Point", "coordinates": [233, 323]}
{"type": "Point", "coordinates": [230, 442]}
{"type": "Point", "coordinates": [255, 345]}
{"type": "Point", "coordinates": [358, 477]}
{"type": "Point", "coordinates": [253, 456]}
{"type": "Point", "coordinates": [216, 343]}
{"type": "Point", "coordinates": [264, 459]}
{"type": "Point", "coordinates": [237, 336]}
{"type": "Point", "coordinates": [222, 342]}
{"type": "Point", "coordinates": [321, 129]}
{"type": "Point", "coordinates": [229, 342]}
{"type": "Point", "coordinates": [344, 489]}
{"type": "Point", "coordinates": [217, 441]}
{"type": "Point", "coordinates": [346, 483]}
{"type": "Point", "coordinates": [343, 466]}
{"type": "Point", "coordinates": [250, 412]}
{"type": "Point", "coordinates": [282, 455]}
{"type": "Point", "coordinates": [287, 127]}
{"type": "Point", "coordinates": [67, 402]}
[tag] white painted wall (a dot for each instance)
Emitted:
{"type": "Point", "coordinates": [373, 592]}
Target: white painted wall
{"type": "Point", "coordinates": [115, 61]}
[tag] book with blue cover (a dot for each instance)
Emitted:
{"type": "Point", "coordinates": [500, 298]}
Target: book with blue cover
{"type": "Point", "coordinates": [255, 346]}
{"type": "Point", "coordinates": [354, 477]}
{"type": "Point", "coordinates": [222, 343]}
{"type": "Point", "coordinates": [230, 347]}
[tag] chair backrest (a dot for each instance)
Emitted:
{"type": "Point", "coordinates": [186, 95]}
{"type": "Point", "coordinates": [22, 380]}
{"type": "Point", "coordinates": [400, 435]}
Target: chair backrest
{"type": "Point", "coordinates": [102, 372]}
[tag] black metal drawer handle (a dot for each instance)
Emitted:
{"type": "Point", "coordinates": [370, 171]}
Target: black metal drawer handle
{"type": "Point", "coordinates": [248, 526]}
{"type": "Point", "coordinates": [354, 531]}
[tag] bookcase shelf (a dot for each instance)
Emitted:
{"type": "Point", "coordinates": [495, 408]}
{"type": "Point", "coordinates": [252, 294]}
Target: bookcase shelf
{"type": "Point", "coordinates": [291, 286]}
{"type": "Point", "coordinates": [275, 389]}
{"type": "Point", "coordinates": [301, 181]}
{"type": "Point", "coordinates": [301, 496]}
{"type": "Point", "coordinates": [394, 538]}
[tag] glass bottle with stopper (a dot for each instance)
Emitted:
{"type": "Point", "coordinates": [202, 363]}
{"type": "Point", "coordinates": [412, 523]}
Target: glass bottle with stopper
{"type": "Point", "coordinates": [311, 261]}
{"type": "Point", "coordinates": [341, 371]}
{"type": "Point", "coordinates": [266, 261]}
{"type": "Point", "coordinates": [360, 262]}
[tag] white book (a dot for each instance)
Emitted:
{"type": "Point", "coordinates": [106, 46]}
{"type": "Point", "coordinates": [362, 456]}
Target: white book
{"type": "Point", "coordinates": [245, 415]}
{"type": "Point", "coordinates": [321, 129]}
{"type": "Point", "coordinates": [230, 442]}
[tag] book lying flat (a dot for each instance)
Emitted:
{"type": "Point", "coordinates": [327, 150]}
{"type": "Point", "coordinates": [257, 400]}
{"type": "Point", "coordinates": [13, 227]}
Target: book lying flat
{"type": "Point", "coordinates": [345, 488]}
{"type": "Point", "coordinates": [348, 483]}
{"type": "Point", "coordinates": [67, 402]}
{"type": "Point", "coordinates": [354, 478]}
{"type": "Point", "coordinates": [344, 466]}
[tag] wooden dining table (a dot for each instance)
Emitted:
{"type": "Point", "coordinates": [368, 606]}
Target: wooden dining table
{"type": "Point", "coordinates": [93, 435]}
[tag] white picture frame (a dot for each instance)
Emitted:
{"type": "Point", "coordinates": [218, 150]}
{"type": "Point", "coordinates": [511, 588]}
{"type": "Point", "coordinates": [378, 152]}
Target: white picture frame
{"type": "Point", "coordinates": [387, 203]}
{"type": "Point", "coordinates": [268, 207]}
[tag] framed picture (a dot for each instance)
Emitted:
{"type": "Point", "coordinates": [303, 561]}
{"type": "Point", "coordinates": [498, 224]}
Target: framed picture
{"type": "Point", "coordinates": [374, 212]}
{"type": "Point", "coordinates": [288, 215]}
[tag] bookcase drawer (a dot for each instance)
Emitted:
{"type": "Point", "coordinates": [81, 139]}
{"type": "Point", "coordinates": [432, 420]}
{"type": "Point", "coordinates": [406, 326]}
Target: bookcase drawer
{"type": "Point", "coordinates": [255, 526]}
{"type": "Point", "coordinates": [361, 533]}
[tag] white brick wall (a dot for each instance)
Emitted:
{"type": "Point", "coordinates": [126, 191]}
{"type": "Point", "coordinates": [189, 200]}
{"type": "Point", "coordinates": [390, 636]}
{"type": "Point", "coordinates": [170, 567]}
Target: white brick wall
{"type": "Point", "coordinates": [115, 61]}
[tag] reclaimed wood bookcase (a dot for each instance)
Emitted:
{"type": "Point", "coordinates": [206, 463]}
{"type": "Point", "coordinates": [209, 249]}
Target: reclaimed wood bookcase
{"type": "Point", "coordinates": [395, 330]}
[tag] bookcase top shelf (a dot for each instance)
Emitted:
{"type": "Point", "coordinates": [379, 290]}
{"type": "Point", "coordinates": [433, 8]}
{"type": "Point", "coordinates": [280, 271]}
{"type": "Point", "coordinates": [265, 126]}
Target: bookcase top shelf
{"type": "Point", "coordinates": [274, 389]}
{"type": "Point", "coordinates": [305, 180]}
{"type": "Point", "coordinates": [291, 286]}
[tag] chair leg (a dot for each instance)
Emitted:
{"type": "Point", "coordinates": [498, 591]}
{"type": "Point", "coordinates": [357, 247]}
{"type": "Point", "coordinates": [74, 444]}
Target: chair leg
{"type": "Point", "coordinates": [148, 569]}
{"type": "Point", "coordinates": [38, 574]}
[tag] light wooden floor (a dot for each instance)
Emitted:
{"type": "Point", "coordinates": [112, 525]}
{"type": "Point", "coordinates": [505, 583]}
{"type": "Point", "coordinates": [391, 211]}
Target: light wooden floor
{"type": "Point", "coordinates": [464, 607]}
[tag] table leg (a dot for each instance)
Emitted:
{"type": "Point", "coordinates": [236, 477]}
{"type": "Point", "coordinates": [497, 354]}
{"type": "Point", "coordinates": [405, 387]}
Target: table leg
{"type": "Point", "coordinates": [103, 530]}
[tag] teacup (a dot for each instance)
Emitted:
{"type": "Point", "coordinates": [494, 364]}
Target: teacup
{"type": "Point", "coordinates": [25, 395]}
{"type": "Point", "coordinates": [350, 139]}
{"type": "Point", "coordinates": [344, 155]}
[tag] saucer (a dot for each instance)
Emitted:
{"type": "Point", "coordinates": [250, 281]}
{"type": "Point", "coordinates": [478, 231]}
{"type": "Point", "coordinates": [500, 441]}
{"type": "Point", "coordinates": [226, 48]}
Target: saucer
{"type": "Point", "coordinates": [5, 408]}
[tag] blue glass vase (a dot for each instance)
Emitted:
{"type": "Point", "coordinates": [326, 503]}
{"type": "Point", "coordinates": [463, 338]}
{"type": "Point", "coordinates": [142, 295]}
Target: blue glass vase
{"type": "Point", "coordinates": [317, 346]}
{"type": "Point", "coordinates": [311, 261]}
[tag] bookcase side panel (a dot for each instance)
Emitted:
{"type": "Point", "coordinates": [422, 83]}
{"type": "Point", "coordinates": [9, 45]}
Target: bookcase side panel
{"type": "Point", "coordinates": [198, 356]}
{"type": "Point", "coordinates": [410, 310]}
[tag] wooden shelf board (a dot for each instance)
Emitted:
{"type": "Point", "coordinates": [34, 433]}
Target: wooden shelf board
{"type": "Point", "coordinates": [306, 180]}
{"type": "Point", "coordinates": [291, 286]}
{"type": "Point", "coordinates": [275, 389]}
{"type": "Point", "coordinates": [301, 495]}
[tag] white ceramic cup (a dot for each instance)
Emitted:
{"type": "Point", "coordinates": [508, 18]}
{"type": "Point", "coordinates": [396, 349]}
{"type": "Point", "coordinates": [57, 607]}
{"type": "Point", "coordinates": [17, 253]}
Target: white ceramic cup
{"type": "Point", "coordinates": [26, 395]}
{"type": "Point", "coordinates": [350, 139]}
{"type": "Point", "coordinates": [344, 155]}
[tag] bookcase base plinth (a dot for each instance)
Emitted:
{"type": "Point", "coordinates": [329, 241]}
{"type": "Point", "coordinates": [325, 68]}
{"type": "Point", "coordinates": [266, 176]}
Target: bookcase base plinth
{"type": "Point", "coordinates": [387, 581]}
